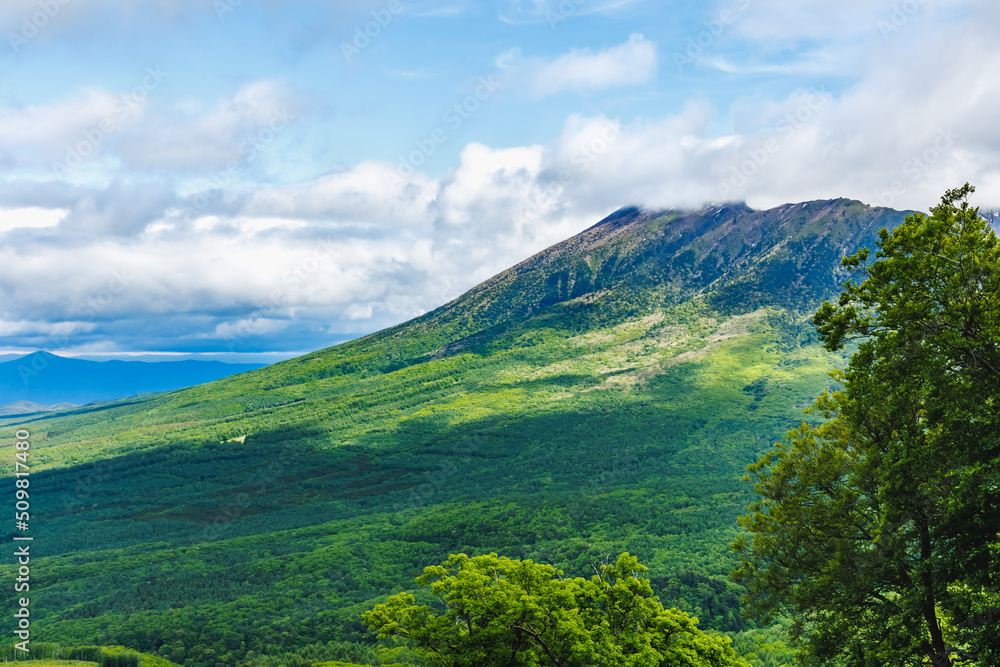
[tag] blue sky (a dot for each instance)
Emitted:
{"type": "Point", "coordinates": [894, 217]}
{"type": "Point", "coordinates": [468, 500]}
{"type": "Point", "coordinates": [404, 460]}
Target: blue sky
{"type": "Point", "coordinates": [259, 178]}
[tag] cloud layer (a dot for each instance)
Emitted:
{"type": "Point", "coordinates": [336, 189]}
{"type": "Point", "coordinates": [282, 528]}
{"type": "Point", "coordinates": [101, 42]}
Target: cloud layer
{"type": "Point", "coordinates": [172, 228]}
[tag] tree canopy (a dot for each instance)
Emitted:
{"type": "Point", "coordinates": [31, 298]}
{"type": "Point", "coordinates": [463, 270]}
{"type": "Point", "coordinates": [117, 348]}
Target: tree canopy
{"type": "Point", "coordinates": [879, 530]}
{"type": "Point", "coordinates": [500, 611]}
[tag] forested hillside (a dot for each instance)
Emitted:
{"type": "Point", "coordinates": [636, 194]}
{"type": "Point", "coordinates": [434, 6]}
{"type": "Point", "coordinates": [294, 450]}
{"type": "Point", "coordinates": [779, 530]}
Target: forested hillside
{"type": "Point", "coordinates": [603, 396]}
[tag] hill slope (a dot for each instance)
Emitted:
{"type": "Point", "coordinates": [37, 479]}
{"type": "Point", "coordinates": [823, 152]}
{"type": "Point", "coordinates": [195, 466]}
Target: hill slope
{"type": "Point", "coordinates": [602, 396]}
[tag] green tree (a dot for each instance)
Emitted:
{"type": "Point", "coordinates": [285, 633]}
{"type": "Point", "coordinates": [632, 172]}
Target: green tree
{"type": "Point", "coordinates": [879, 530]}
{"type": "Point", "coordinates": [498, 611]}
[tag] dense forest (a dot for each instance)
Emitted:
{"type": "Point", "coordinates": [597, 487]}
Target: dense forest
{"type": "Point", "coordinates": [260, 538]}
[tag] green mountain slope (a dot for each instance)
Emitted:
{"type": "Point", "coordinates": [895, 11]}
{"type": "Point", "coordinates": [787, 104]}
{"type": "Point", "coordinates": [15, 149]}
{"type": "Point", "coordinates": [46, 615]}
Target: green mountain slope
{"type": "Point", "coordinates": [602, 396]}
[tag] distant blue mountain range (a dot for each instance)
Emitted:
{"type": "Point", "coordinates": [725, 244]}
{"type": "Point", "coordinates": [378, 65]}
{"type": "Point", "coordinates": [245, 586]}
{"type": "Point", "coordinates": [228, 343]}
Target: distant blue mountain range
{"type": "Point", "coordinates": [46, 379]}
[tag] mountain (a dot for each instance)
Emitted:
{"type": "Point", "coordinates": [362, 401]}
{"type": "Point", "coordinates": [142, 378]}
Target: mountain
{"type": "Point", "coordinates": [27, 407]}
{"type": "Point", "coordinates": [45, 378]}
{"type": "Point", "coordinates": [604, 395]}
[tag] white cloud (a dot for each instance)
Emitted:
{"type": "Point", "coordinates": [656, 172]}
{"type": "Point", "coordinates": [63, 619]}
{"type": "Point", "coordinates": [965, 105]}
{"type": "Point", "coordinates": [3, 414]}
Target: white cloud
{"type": "Point", "coordinates": [813, 64]}
{"type": "Point", "coordinates": [360, 311]}
{"type": "Point", "coordinates": [127, 129]}
{"type": "Point", "coordinates": [32, 217]}
{"type": "Point", "coordinates": [40, 135]}
{"type": "Point", "coordinates": [371, 192]}
{"type": "Point", "coordinates": [25, 327]}
{"type": "Point", "coordinates": [120, 209]}
{"type": "Point", "coordinates": [248, 327]}
{"type": "Point", "coordinates": [582, 70]}
{"type": "Point", "coordinates": [236, 129]}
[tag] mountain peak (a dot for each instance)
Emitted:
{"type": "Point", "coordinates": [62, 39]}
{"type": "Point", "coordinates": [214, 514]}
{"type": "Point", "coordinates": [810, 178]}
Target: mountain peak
{"type": "Point", "coordinates": [41, 354]}
{"type": "Point", "coordinates": [625, 213]}
{"type": "Point", "coordinates": [38, 359]}
{"type": "Point", "coordinates": [738, 258]}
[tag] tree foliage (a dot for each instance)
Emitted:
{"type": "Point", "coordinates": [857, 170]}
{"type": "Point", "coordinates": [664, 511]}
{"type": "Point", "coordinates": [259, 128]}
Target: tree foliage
{"type": "Point", "coordinates": [879, 529]}
{"type": "Point", "coordinates": [500, 611]}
